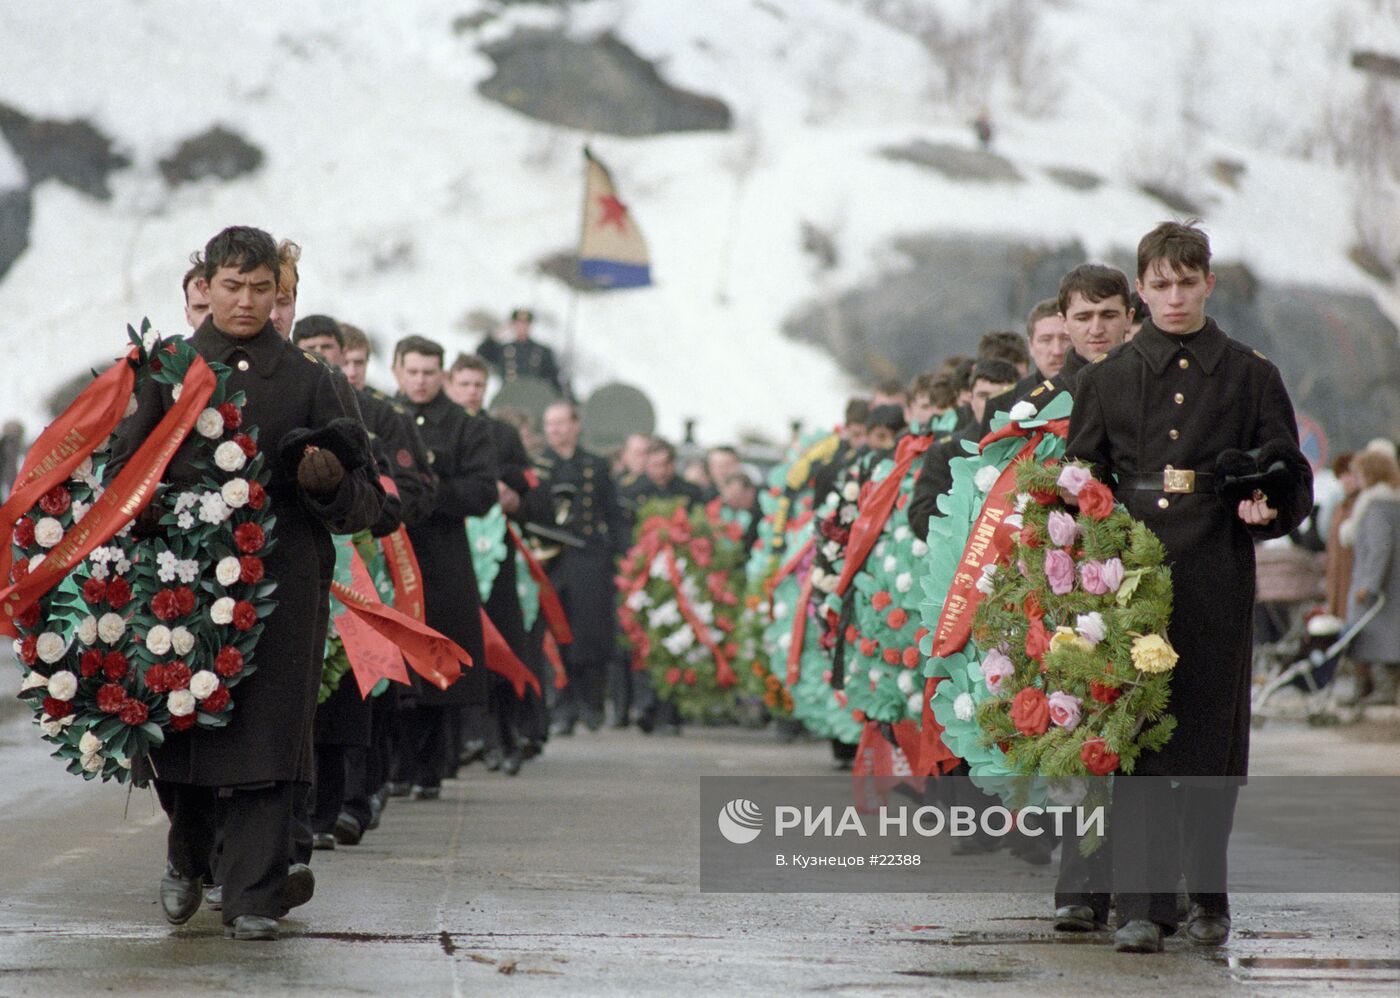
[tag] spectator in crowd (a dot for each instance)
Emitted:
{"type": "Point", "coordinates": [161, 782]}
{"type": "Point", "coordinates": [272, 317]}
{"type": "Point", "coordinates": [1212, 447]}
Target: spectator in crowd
{"type": "Point", "coordinates": [1373, 533]}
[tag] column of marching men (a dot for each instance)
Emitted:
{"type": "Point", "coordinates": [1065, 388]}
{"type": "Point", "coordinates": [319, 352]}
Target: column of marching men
{"type": "Point", "coordinates": [1165, 386]}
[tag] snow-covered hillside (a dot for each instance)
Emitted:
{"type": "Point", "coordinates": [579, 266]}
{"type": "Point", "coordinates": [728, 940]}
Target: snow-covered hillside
{"type": "Point", "coordinates": [418, 201]}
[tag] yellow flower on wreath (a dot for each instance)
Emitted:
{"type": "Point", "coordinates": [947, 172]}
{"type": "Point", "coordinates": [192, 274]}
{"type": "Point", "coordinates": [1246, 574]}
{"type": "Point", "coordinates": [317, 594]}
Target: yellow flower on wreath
{"type": "Point", "coordinates": [1152, 653]}
{"type": "Point", "coordinates": [1068, 636]}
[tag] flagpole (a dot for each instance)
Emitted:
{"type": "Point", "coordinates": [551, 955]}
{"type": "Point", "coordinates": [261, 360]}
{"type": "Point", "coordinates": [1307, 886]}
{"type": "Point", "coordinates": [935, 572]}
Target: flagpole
{"type": "Point", "coordinates": [572, 313]}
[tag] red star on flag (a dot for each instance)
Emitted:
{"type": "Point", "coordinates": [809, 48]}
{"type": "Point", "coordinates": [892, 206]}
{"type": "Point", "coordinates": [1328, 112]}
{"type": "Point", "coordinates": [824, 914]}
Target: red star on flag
{"type": "Point", "coordinates": [614, 212]}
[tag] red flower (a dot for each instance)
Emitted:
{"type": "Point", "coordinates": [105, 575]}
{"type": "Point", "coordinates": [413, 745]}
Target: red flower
{"type": "Point", "coordinates": [897, 618]}
{"type": "Point", "coordinates": [118, 593]}
{"type": "Point", "coordinates": [1097, 758]}
{"type": "Point", "coordinates": [24, 531]}
{"type": "Point", "coordinates": [29, 649]}
{"type": "Point", "coordinates": [177, 675]}
{"type": "Point", "coordinates": [702, 551]}
{"type": "Point", "coordinates": [155, 679]}
{"type": "Point", "coordinates": [19, 570]}
{"type": "Point", "coordinates": [851, 634]}
{"type": "Point", "coordinates": [1030, 712]}
{"type": "Point", "coordinates": [29, 617]}
{"type": "Point", "coordinates": [184, 600]}
{"type": "Point", "coordinates": [920, 634]}
{"type": "Point", "coordinates": [868, 646]}
{"type": "Point", "coordinates": [673, 676]}
{"type": "Point", "coordinates": [1096, 500]}
{"type": "Point", "coordinates": [881, 600]}
{"type": "Point", "coordinates": [164, 605]}
{"type": "Point", "coordinates": [1104, 693]}
{"type": "Point", "coordinates": [57, 708]}
{"type": "Point", "coordinates": [892, 656]}
{"type": "Point", "coordinates": [731, 650]}
{"type": "Point", "coordinates": [1045, 497]}
{"type": "Point", "coordinates": [233, 416]}
{"type": "Point", "coordinates": [110, 698]}
{"type": "Point", "coordinates": [688, 677]}
{"type": "Point", "coordinates": [55, 501]}
{"type": "Point", "coordinates": [248, 537]}
{"type": "Point", "coordinates": [91, 663]}
{"type": "Point", "coordinates": [250, 569]}
{"type": "Point", "coordinates": [245, 615]}
{"type": "Point", "coordinates": [257, 495]}
{"type": "Point", "coordinates": [911, 656]}
{"type": "Point", "coordinates": [1029, 537]}
{"type": "Point", "coordinates": [183, 723]}
{"type": "Point", "coordinates": [134, 712]}
{"type": "Point", "coordinates": [94, 590]}
{"type": "Point", "coordinates": [229, 662]}
{"type": "Point", "coordinates": [114, 665]}
{"type": "Point", "coordinates": [216, 701]}
{"type": "Point", "coordinates": [1037, 639]}
{"type": "Point", "coordinates": [246, 444]}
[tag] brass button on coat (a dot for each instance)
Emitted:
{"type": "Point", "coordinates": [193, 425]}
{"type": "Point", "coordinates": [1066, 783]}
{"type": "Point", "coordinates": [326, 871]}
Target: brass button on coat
{"type": "Point", "coordinates": [1163, 503]}
{"type": "Point", "coordinates": [1178, 398]}
{"type": "Point", "coordinates": [1174, 434]}
{"type": "Point", "coordinates": [243, 365]}
{"type": "Point", "coordinates": [1183, 363]}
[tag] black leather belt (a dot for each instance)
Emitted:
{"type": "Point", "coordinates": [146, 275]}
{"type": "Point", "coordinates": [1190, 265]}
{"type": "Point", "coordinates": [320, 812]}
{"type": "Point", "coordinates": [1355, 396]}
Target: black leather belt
{"type": "Point", "coordinates": [1172, 480]}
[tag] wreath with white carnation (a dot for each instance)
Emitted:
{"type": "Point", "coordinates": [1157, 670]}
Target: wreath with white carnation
{"type": "Point", "coordinates": [147, 637]}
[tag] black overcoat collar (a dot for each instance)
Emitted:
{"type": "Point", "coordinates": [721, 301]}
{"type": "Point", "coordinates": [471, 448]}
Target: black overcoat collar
{"type": "Point", "coordinates": [1158, 348]}
{"type": "Point", "coordinates": [264, 348]}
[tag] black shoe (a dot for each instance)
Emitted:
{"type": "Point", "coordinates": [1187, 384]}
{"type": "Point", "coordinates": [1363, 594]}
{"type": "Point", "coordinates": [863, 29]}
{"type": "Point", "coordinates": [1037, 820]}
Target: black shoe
{"type": "Point", "coordinates": [563, 728]}
{"type": "Point", "coordinates": [510, 765]}
{"type": "Point", "coordinates": [322, 840]}
{"type": "Point", "coordinates": [492, 759]}
{"type": "Point", "coordinates": [531, 748]}
{"type": "Point", "coordinates": [473, 750]}
{"type": "Point", "coordinates": [300, 887]}
{"type": "Point", "coordinates": [425, 793]}
{"type": "Point", "coordinates": [215, 898]}
{"type": "Point", "coordinates": [1076, 918]}
{"type": "Point", "coordinates": [1205, 929]}
{"type": "Point", "coordinates": [179, 896]}
{"type": "Point", "coordinates": [593, 720]}
{"type": "Point", "coordinates": [1138, 936]}
{"type": "Point", "coordinates": [249, 927]}
{"type": "Point", "coordinates": [673, 729]}
{"type": "Point", "coordinates": [646, 720]}
{"type": "Point", "coordinates": [620, 723]}
{"type": "Point", "coordinates": [376, 810]}
{"type": "Point", "coordinates": [397, 789]}
{"type": "Point", "coordinates": [348, 831]}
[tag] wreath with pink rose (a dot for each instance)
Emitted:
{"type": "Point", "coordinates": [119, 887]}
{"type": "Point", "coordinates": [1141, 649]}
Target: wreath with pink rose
{"type": "Point", "coordinates": [1077, 673]}
{"type": "Point", "coordinates": [149, 636]}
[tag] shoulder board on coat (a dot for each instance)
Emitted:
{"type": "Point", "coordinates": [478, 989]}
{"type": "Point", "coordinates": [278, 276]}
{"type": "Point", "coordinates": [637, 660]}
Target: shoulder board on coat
{"type": "Point", "coordinates": [1099, 359]}
{"type": "Point", "coordinates": [314, 358]}
{"type": "Point", "coordinates": [398, 408]}
{"type": "Point", "coordinates": [1245, 348]}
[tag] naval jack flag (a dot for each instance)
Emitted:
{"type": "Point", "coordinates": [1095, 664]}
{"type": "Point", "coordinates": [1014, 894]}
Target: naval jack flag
{"type": "Point", "coordinates": [612, 252]}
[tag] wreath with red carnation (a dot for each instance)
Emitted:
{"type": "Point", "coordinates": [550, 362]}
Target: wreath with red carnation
{"type": "Point", "coordinates": [147, 637]}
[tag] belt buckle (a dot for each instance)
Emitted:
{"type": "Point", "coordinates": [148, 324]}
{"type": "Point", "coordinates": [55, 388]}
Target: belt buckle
{"type": "Point", "coordinates": [1178, 480]}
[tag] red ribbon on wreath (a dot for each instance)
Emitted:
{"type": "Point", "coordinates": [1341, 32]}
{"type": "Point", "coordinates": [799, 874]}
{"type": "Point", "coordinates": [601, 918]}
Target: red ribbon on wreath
{"type": "Point", "coordinates": [64, 445]}
{"type": "Point", "coordinates": [724, 675]}
{"type": "Point", "coordinates": [876, 507]}
{"type": "Point", "coordinates": [988, 543]}
{"type": "Point", "coordinates": [402, 561]}
{"type": "Point", "coordinates": [554, 617]}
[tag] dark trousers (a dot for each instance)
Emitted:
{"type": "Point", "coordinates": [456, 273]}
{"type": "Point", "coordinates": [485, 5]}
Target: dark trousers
{"type": "Point", "coordinates": [621, 682]}
{"type": "Point", "coordinates": [1160, 832]}
{"type": "Point", "coordinates": [1085, 880]}
{"type": "Point", "coordinates": [256, 825]}
{"type": "Point", "coordinates": [422, 745]}
{"type": "Point", "coordinates": [368, 769]}
{"type": "Point", "coordinates": [299, 834]}
{"type": "Point", "coordinates": [330, 787]}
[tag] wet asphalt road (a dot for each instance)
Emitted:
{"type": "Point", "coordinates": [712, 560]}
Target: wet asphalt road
{"type": "Point", "coordinates": [580, 877]}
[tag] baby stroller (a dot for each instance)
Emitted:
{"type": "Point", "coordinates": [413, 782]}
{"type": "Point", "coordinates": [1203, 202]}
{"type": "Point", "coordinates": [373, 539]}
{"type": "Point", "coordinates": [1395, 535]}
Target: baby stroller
{"type": "Point", "coordinates": [1326, 640]}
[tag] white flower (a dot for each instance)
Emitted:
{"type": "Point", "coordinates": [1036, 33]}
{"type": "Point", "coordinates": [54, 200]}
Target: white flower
{"type": "Point", "coordinates": [1015, 521]}
{"type": "Point", "coordinates": [1024, 409]}
{"type": "Point", "coordinates": [222, 611]}
{"type": "Point", "coordinates": [182, 641]}
{"type": "Point", "coordinates": [679, 641]}
{"type": "Point", "coordinates": [54, 728]}
{"type": "Point", "coordinates": [131, 406]}
{"type": "Point", "coordinates": [158, 640]}
{"type": "Point", "coordinates": [780, 609]}
{"type": "Point", "coordinates": [905, 682]}
{"type": "Point", "coordinates": [98, 572]}
{"type": "Point", "coordinates": [48, 532]}
{"type": "Point", "coordinates": [213, 509]}
{"type": "Point", "coordinates": [1091, 627]}
{"type": "Point", "coordinates": [831, 550]}
{"type": "Point", "coordinates": [202, 683]}
{"type": "Point", "coordinates": [83, 472]}
{"type": "Point", "coordinates": [110, 627]}
{"type": "Point", "coordinates": [87, 630]}
{"type": "Point", "coordinates": [89, 744]}
{"type": "Point", "coordinates": [658, 569]}
{"type": "Point", "coordinates": [904, 582]}
{"type": "Point", "coordinates": [235, 492]}
{"type": "Point", "coordinates": [187, 569]}
{"type": "Point", "coordinates": [227, 571]}
{"type": "Point", "coordinates": [230, 457]}
{"type": "Point", "coordinates": [848, 514]}
{"type": "Point", "coordinates": [901, 533]}
{"type": "Point", "coordinates": [100, 556]}
{"type": "Point", "coordinates": [963, 707]}
{"type": "Point", "coordinates": [986, 477]}
{"type": "Point", "coordinates": [33, 680]}
{"type": "Point", "coordinates": [916, 704]}
{"type": "Point", "coordinates": [50, 648]}
{"type": "Point", "coordinates": [638, 600]}
{"type": "Point", "coordinates": [93, 763]}
{"type": "Point", "coordinates": [1022, 501]}
{"type": "Point", "coordinates": [890, 564]}
{"type": "Point", "coordinates": [176, 392]}
{"type": "Point", "coordinates": [121, 566]}
{"type": "Point", "coordinates": [987, 580]}
{"type": "Point", "coordinates": [63, 684]}
{"type": "Point", "coordinates": [80, 510]}
{"type": "Point", "coordinates": [210, 424]}
{"type": "Point", "coordinates": [186, 500]}
{"type": "Point", "coordinates": [666, 615]}
{"type": "Point", "coordinates": [850, 491]}
{"type": "Point", "coordinates": [181, 703]}
{"type": "Point", "coordinates": [184, 520]}
{"type": "Point", "coordinates": [920, 548]}
{"type": "Point", "coordinates": [166, 566]}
